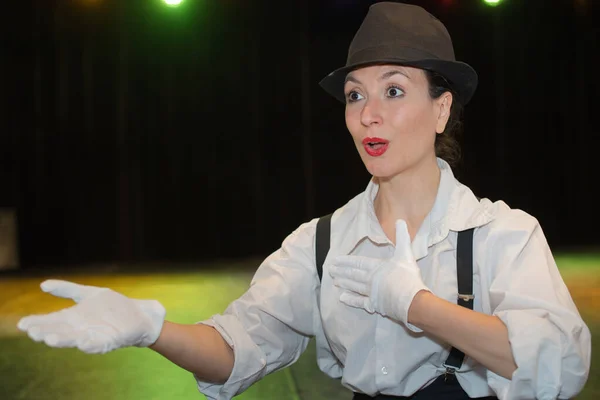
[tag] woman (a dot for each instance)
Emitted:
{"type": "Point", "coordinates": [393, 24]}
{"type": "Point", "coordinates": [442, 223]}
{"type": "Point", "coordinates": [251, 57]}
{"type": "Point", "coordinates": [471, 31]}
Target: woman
{"type": "Point", "coordinates": [385, 315]}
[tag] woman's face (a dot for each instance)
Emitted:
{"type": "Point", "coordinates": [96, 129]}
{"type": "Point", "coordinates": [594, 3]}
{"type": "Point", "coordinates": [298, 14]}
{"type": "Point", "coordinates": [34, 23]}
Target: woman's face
{"type": "Point", "coordinates": [392, 118]}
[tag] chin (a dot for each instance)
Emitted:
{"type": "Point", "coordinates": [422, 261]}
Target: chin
{"type": "Point", "coordinates": [389, 166]}
{"type": "Point", "coordinates": [379, 170]}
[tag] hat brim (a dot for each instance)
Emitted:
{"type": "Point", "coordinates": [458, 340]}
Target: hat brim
{"type": "Point", "coordinates": [461, 76]}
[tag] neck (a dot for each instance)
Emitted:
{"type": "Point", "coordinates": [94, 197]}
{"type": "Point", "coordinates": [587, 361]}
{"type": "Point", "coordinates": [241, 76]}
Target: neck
{"type": "Point", "coordinates": [409, 196]}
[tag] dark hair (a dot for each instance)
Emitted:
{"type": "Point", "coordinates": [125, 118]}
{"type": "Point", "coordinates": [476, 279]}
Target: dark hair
{"type": "Point", "coordinates": [446, 143]}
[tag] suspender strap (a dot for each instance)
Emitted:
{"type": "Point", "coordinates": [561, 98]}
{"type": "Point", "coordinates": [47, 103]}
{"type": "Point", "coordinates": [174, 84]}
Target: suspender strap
{"type": "Point", "coordinates": [464, 268]}
{"type": "Point", "coordinates": [464, 274]}
{"type": "Point", "coordinates": [322, 242]}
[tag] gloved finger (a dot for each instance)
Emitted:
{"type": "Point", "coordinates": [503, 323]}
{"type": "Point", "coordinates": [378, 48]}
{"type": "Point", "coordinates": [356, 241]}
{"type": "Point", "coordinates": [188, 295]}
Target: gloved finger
{"type": "Point", "coordinates": [25, 322]}
{"type": "Point", "coordinates": [60, 335]}
{"type": "Point", "coordinates": [69, 290]}
{"type": "Point", "coordinates": [356, 301]}
{"type": "Point", "coordinates": [359, 262]}
{"type": "Point", "coordinates": [352, 273]}
{"type": "Point", "coordinates": [40, 331]}
{"type": "Point", "coordinates": [353, 286]}
{"type": "Point", "coordinates": [62, 340]}
{"type": "Point", "coordinates": [41, 319]}
{"type": "Point", "coordinates": [35, 333]}
{"type": "Point", "coordinates": [403, 250]}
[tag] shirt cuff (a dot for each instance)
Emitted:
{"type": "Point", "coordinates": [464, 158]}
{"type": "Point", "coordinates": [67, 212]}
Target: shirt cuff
{"type": "Point", "coordinates": [499, 385]}
{"type": "Point", "coordinates": [249, 362]}
{"type": "Point", "coordinates": [537, 350]}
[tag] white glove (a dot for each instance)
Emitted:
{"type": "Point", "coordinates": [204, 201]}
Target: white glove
{"type": "Point", "coordinates": [381, 286]}
{"type": "Point", "coordinates": [101, 321]}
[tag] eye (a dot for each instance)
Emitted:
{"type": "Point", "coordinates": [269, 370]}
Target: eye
{"type": "Point", "coordinates": [394, 91]}
{"type": "Point", "coordinates": [353, 96]}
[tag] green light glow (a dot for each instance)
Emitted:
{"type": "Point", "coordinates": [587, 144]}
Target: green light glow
{"type": "Point", "coordinates": [173, 3]}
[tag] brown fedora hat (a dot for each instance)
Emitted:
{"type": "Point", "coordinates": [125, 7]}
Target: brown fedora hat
{"type": "Point", "coordinates": [403, 34]}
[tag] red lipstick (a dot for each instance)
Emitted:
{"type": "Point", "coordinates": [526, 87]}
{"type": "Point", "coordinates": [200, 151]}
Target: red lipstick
{"type": "Point", "coordinates": [375, 146]}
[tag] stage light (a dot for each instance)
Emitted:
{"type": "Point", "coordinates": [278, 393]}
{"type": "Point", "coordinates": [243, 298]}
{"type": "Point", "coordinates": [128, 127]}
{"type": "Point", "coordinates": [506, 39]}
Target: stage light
{"type": "Point", "coordinates": [173, 3]}
{"type": "Point", "coordinates": [492, 2]}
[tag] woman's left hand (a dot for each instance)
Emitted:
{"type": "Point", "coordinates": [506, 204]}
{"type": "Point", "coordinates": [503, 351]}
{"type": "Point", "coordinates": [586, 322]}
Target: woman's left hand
{"type": "Point", "coordinates": [387, 287]}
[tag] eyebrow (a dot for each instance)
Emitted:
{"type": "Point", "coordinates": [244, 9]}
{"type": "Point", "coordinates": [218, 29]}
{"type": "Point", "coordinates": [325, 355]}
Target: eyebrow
{"type": "Point", "coordinates": [383, 77]}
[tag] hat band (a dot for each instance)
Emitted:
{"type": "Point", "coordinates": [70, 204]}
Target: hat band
{"type": "Point", "coordinates": [387, 53]}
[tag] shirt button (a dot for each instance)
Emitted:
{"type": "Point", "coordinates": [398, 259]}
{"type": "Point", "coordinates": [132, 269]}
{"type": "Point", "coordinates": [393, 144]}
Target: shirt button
{"type": "Point", "coordinates": [384, 371]}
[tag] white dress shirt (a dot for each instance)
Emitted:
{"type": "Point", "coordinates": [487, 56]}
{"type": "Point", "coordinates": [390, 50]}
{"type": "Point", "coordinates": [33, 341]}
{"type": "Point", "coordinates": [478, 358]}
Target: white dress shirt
{"type": "Point", "coordinates": [514, 277]}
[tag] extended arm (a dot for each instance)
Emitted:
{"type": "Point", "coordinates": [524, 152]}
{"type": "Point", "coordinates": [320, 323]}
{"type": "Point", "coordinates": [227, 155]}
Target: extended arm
{"type": "Point", "coordinates": [199, 349]}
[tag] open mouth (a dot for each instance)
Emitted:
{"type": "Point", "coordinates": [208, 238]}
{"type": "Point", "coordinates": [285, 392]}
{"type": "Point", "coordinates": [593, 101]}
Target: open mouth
{"type": "Point", "coordinates": [375, 146]}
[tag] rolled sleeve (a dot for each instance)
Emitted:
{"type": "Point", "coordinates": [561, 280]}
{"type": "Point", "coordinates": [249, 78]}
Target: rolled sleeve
{"type": "Point", "coordinates": [550, 342]}
{"type": "Point", "coordinates": [249, 364]}
{"type": "Point", "coordinates": [270, 325]}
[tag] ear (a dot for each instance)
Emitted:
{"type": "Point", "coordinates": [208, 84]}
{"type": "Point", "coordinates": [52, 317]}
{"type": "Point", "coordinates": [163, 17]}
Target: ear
{"type": "Point", "coordinates": [443, 107]}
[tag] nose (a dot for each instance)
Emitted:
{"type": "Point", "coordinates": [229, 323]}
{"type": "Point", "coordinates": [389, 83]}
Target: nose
{"type": "Point", "coordinates": [370, 113]}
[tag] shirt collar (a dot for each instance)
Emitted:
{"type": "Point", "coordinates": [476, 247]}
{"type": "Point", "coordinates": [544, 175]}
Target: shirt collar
{"type": "Point", "coordinates": [455, 209]}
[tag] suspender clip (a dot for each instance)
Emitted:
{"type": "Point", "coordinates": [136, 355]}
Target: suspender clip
{"type": "Point", "coordinates": [466, 297]}
{"type": "Point", "coordinates": [450, 375]}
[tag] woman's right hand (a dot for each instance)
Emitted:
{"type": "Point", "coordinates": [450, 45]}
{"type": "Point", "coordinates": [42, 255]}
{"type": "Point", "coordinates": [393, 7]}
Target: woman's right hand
{"type": "Point", "coordinates": [102, 320]}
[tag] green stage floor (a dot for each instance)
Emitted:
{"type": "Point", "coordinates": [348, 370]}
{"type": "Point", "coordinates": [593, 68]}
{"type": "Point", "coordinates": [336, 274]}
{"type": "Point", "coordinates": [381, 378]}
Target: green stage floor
{"type": "Point", "coordinates": [32, 371]}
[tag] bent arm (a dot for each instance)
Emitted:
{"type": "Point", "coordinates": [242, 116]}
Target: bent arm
{"type": "Point", "coordinates": [480, 336]}
{"type": "Point", "coordinates": [523, 290]}
{"type": "Point", "coordinates": [199, 349]}
{"type": "Point", "coordinates": [535, 344]}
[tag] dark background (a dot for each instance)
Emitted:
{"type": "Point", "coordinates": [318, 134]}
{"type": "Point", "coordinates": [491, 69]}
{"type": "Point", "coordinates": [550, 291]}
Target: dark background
{"type": "Point", "coordinates": [131, 131]}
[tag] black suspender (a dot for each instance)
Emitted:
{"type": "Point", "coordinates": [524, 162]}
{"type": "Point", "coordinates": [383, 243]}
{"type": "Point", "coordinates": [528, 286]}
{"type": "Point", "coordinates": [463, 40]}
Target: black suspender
{"type": "Point", "coordinates": [464, 274]}
{"type": "Point", "coordinates": [322, 242]}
